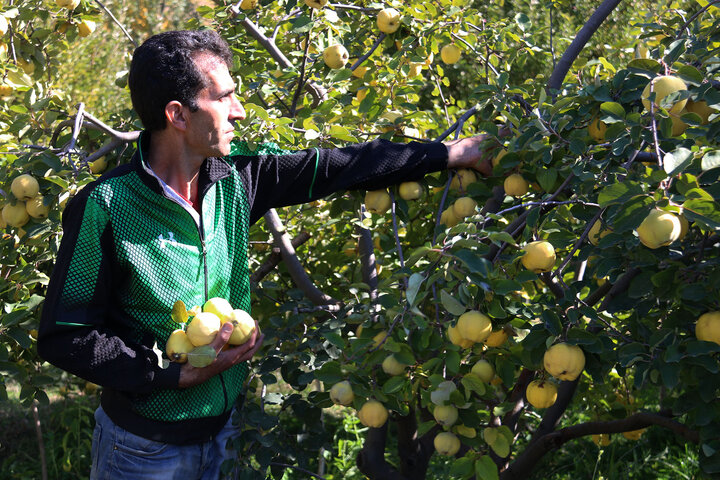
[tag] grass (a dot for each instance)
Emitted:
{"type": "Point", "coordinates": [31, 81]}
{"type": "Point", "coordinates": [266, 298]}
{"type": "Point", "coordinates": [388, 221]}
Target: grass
{"type": "Point", "coordinates": [67, 424]}
{"type": "Point", "coordinates": [657, 455]}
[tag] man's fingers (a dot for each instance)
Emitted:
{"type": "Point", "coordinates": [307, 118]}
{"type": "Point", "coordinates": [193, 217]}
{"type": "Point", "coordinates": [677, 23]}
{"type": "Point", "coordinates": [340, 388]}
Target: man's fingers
{"type": "Point", "coordinates": [245, 351]}
{"type": "Point", "coordinates": [223, 336]}
{"type": "Point", "coordinates": [248, 355]}
{"type": "Point", "coordinates": [484, 167]}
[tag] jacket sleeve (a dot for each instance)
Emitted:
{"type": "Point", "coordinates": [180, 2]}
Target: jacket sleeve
{"type": "Point", "coordinates": [306, 175]}
{"type": "Point", "coordinates": [80, 331]}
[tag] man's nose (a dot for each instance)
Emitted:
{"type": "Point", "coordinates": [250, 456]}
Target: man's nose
{"type": "Point", "coordinates": [237, 112]}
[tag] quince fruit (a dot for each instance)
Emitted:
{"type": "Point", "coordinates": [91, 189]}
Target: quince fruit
{"type": "Point", "coordinates": [564, 362]}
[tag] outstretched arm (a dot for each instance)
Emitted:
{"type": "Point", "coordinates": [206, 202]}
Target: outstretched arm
{"type": "Point", "coordinates": [466, 153]}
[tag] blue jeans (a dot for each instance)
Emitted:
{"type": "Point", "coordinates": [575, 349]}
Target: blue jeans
{"type": "Point", "coordinates": [118, 454]}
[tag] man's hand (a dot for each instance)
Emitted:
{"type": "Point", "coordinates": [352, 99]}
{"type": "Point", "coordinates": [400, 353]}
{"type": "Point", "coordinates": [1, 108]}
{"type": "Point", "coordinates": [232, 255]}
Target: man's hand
{"type": "Point", "coordinates": [466, 153]}
{"type": "Point", "coordinates": [190, 376]}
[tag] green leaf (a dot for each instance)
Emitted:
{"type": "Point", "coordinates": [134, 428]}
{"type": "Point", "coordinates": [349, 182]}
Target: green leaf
{"type": "Point", "coordinates": [485, 469]}
{"type": "Point", "coordinates": [202, 356]}
{"type": "Point", "coordinates": [504, 286]}
{"type": "Point", "coordinates": [330, 373]}
{"type": "Point", "coordinates": [490, 434]}
{"type": "Point", "coordinates": [613, 110]}
{"type": "Point", "coordinates": [301, 24]}
{"type": "Point", "coordinates": [703, 211]}
{"type": "Point", "coordinates": [697, 348]}
{"type": "Point", "coordinates": [690, 73]}
{"type": "Point", "coordinates": [452, 362]}
{"type": "Point", "coordinates": [618, 193]}
{"type": "Point", "coordinates": [425, 427]}
{"type": "Point", "coordinates": [334, 338]}
{"type": "Point", "coordinates": [342, 133]}
{"type": "Point", "coordinates": [501, 237]}
{"type": "Point", "coordinates": [416, 255]}
{"type": "Point", "coordinates": [474, 262]}
{"type": "Point", "coordinates": [676, 161]}
{"type": "Point", "coordinates": [710, 160]}
{"type": "Point", "coordinates": [451, 304]}
{"type": "Point", "coordinates": [670, 374]}
{"type": "Point", "coordinates": [631, 353]}
{"type": "Point", "coordinates": [552, 322]}
{"type": "Point", "coordinates": [340, 75]}
{"type": "Point", "coordinates": [473, 383]}
{"type": "Point", "coordinates": [632, 213]}
{"type": "Point", "coordinates": [395, 384]}
{"type": "Point", "coordinates": [547, 177]}
{"type": "Point", "coordinates": [414, 283]}
{"type": "Point", "coordinates": [641, 285]}
{"type": "Point", "coordinates": [462, 467]}
{"type": "Point", "coordinates": [501, 446]}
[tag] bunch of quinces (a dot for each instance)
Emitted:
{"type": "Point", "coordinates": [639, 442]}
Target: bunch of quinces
{"type": "Point", "coordinates": [199, 327]}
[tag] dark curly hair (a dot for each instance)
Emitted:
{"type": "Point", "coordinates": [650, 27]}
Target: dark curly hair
{"type": "Point", "coordinates": [163, 69]}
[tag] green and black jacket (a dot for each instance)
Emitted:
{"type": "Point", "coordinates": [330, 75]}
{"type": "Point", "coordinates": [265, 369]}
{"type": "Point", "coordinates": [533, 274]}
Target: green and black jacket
{"type": "Point", "coordinates": [130, 250]}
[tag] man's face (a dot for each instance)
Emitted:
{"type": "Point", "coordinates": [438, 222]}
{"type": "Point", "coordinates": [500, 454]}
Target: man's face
{"type": "Point", "coordinates": [210, 128]}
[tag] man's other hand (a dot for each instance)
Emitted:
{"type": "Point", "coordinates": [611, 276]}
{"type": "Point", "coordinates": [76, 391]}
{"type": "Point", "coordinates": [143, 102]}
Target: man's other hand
{"type": "Point", "coordinates": [190, 376]}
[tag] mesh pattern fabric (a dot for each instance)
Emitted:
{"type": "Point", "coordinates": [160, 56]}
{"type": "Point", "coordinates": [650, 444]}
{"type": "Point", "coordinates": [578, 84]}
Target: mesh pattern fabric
{"type": "Point", "coordinates": [158, 248]}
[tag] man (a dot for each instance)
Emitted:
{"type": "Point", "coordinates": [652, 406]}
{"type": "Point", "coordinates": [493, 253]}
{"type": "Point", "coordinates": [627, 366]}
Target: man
{"type": "Point", "coordinates": [173, 225]}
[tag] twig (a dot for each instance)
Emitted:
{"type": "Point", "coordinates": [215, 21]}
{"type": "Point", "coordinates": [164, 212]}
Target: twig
{"type": "Point", "coordinates": [552, 40]}
{"type": "Point", "coordinates": [132, 40]}
{"type": "Point", "coordinates": [482, 58]}
{"type": "Point", "coordinates": [543, 203]}
{"type": "Point", "coordinates": [301, 81]}
{"type": "Point", "coordinates": [465, 116]}
{"type": "Point", "coordinates": [697, 14]}
{"type": "Point", "coordinates": [317, 308]}
{"type": "Point", "coordinates": [397, 239]}
{"type": "Point", "coordinates": [579, 242]}
{"type": "Point", "coordinates": [653, 126]}
{"type": "Point", "coordinates": [41, 443]}
{"type": "Point", "coordinates": [442, 97]}
{"type": "Point", "coordinates": [339, 6]}
{"type": "Point", "coordinates": [76, 126]}
{"type": "Point", "coordinates": [318, 92]}
{"type": "Point", "coordinates": [290, 15]}
{"type": "Point", "coordinates": [377, 43]}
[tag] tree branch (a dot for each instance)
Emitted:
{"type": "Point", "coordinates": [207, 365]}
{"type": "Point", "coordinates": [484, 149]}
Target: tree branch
{"type": "Point", "coordinates": [132, 40]}
{"type": "Point", "coordinates": [525, 462]}
{"type": "Point", "coordinates": [41, 443]}
{"type": "Point", "coordinates": [296, 270]}
{"type": "Point", "coordinates": [572, 52]}
{"type": "Point", "coordinates": [367, 262]}
{"type": "Point", "coordinates": [414, 454]}
{"type": "Point", "coordinates": [318, 92]}
{"type": "Point", "coordinates": [371, 459]}
{"type": "Point", "coordinates": [276, 257]}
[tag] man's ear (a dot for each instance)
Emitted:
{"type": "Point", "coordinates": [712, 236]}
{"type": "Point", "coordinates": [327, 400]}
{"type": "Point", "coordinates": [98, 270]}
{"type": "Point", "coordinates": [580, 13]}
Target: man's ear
{"type": "Point", "coordinates": [175, 115]}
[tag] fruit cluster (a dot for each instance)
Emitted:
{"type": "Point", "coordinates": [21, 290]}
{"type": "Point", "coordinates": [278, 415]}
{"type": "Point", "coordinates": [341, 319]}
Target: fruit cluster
{"type": "Point", "coordinates": [29, 203]}
{"type": "Point", "coordinates": [201, 326]}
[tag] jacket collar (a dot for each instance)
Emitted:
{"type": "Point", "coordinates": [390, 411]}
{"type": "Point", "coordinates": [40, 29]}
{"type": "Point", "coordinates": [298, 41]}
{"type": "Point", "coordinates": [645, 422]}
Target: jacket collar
{"type": "Point", "coordinates": [212, 170]}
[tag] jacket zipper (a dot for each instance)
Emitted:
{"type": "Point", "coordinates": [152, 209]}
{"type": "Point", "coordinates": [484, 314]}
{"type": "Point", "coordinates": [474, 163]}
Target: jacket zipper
{"type": "Point", "coordinates": [201, 233]}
